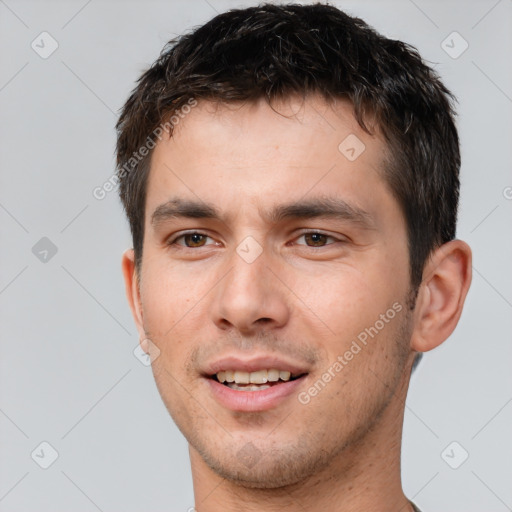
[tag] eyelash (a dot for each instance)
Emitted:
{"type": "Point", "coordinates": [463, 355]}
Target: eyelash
{"type": "Point", "coordinates": [173, 241]}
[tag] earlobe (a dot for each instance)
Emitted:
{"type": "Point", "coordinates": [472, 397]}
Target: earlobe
{"type": "Point", "coordinates": [447, 277]}
{"type": "Point", "coordinates": [132, 289]}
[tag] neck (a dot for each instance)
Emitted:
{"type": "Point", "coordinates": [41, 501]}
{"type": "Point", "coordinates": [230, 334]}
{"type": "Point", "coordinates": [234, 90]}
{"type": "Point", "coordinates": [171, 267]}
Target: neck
{"type": "Point", "coordinates": [363, 477]}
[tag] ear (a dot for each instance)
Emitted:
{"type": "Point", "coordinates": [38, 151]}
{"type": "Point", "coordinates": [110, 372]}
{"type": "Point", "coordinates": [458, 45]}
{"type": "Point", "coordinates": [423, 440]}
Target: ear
{"type": "Point", "coordinates": [131, 283]}
{"type": "Point", "coordinates": [441, 296]}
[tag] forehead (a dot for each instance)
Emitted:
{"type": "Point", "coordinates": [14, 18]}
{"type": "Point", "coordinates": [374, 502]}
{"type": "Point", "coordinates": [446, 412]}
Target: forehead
{"type": "Point", "coordinates": [240, 127]}
{"type": "Point", "coordinates": [239, 155]}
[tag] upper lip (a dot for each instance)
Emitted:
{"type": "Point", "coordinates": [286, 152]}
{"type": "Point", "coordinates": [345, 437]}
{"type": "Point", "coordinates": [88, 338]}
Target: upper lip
{"type": "Point", "coordinates": [266, 362]}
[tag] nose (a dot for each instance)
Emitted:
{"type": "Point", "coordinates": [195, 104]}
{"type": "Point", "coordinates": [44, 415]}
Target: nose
{"type": "Point", "coordinates": [250, 298]}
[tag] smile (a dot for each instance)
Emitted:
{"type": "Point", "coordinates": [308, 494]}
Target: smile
{"type": "Point", "coordinates": [260, 383]}
{"type": "Point", "coordinates": [259, 380]}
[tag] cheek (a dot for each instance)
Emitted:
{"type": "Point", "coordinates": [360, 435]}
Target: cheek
{"type": "Point", "coordinates": [170, 297]}
{"type": "Point", "coordinates": [342, 297]}
{"type": "Point", "coordinates": [171, 306]}
{"type": "Point", "coordinates": [347, 305]}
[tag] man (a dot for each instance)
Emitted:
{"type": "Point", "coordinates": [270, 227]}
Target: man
{"type": "Point", "coordinates": [291, 182]}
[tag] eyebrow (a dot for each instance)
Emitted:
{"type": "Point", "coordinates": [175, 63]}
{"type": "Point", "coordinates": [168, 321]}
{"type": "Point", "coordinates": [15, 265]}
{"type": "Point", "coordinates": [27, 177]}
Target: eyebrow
{"type": "Point", "coordinates": [183, 208]}
{"type": "Point", "coordinates": [328, 207]}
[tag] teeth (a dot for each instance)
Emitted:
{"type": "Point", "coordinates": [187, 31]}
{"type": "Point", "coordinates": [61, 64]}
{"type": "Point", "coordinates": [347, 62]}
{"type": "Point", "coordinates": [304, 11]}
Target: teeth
{"type": "Point", "coordinates": [284, 375]}
{"type": "Point", "coordinates": [248, 387]}
{"type": "Point", "coordinates": [242, 377]}
{"type": "Point", "coordinates": [258, 377]}
{"type": "Point", "coordinates": [273, 375]}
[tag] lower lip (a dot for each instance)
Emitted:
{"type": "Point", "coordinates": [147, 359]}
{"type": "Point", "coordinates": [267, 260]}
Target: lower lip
{"type": "Point", "coordinates": [253, 401]}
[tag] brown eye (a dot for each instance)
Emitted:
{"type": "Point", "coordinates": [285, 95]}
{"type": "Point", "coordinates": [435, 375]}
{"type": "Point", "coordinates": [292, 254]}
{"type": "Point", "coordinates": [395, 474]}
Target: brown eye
{"type": "Point", "coordinates": [194, 240]}
{"type": "Point", "coordinates": [315, 239]}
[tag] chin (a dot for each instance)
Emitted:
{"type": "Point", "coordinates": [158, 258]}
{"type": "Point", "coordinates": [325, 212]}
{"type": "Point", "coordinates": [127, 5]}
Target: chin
{"type": "Point", "coordinates": [263, 476]}
{"type": "Point", "coordinates": [268, 468]}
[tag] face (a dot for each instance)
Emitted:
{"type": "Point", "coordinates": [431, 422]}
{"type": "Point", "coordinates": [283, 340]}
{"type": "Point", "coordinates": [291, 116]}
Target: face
{"type": "Point", "coordinates": [275, 257]}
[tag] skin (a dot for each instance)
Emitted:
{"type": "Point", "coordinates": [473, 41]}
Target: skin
{"type": "Point", "coordinates": [341, 450]}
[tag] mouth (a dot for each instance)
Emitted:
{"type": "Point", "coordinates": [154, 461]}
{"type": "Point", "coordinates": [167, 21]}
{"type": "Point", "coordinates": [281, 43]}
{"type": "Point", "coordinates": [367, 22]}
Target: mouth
{"type": "Point", "coordinates": [259, 380]}
{"type": "Point", "coordinates": [258, 384]}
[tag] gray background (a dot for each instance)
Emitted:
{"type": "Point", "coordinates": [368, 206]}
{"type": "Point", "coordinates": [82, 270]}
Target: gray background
{"type": "Point", "coordinates": [68, 375]}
